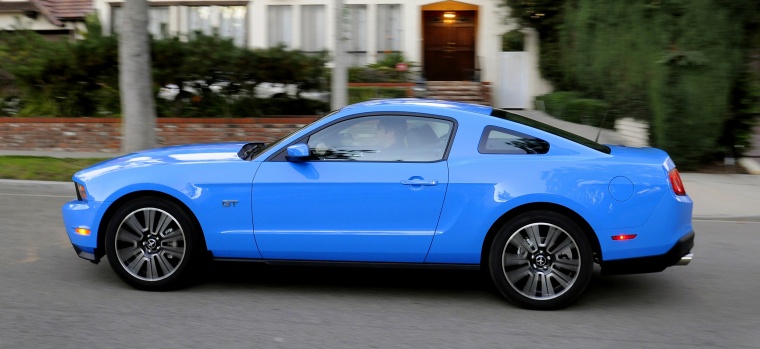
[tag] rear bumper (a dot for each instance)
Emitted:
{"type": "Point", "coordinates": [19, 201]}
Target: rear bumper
{"type": "Point", "coordinates": [679, 254]}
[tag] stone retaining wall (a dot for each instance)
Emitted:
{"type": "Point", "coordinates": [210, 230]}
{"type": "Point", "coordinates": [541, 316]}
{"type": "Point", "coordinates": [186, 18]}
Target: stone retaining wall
{"type": "Point", "coordinates": [104, 134]}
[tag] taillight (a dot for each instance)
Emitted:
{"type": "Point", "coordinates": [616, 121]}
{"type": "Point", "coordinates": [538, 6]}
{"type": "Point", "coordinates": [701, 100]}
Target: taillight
{"type": "Point", "coordinates": [676, 183]}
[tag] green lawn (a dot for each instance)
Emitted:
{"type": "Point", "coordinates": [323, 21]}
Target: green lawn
{"type": "Point", "coordinates": [42, 168]}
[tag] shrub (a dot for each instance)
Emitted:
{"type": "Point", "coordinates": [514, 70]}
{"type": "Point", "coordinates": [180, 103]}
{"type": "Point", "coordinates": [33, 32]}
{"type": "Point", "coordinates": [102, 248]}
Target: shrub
{"type": "Point", "coordinates": [555, 103]}
{"type": "Point", "coordinates": [379, 74]}
{"type": "Point", "coordinates": [361, 94]}
{"type": "Point", "coordinates": [589, 111]}
{"type": "Point", "coordinates": [677, 64]}
{"type": "Point", "coordinates": [81, 78]}
{"type": "Point", "coordinates": [573, 107]}
{"type": "Point", "coordinates": [513, 40]}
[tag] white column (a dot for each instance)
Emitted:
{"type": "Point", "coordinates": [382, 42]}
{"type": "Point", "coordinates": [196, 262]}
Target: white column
{"type": "Point", "coordinates": [371, 33]}
{"type": "Point", "coordinates": [174, 20]}
{"type": "Point", "coordinates": [257, 28]}
{"type": "Point", "coordinates": [295, 27]}
{"type": "Point", "coordinates": [412, 27]}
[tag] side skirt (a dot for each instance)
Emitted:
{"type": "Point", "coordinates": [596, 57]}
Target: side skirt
{"type": "Point", "coordinates": [355, 264]}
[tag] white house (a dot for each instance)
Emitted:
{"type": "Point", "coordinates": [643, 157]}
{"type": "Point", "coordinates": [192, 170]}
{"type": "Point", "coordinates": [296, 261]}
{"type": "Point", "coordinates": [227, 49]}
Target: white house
{"type": "Point", "coordinates": [450, 40]}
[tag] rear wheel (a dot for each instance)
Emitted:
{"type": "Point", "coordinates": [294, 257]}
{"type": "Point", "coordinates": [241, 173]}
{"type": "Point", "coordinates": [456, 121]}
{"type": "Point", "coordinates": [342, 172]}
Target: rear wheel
{"type": "Point", "coordinates": [541, 260]}
{"type": "Point", "coordinates": [151, 244]}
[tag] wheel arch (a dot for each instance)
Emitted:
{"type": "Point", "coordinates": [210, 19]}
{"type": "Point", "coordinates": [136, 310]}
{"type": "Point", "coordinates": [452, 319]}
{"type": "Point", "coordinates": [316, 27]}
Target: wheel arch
{"type": "Point", "coordinates": [540, 206]}
{"type": "Point", "coordinates": [138, 194]}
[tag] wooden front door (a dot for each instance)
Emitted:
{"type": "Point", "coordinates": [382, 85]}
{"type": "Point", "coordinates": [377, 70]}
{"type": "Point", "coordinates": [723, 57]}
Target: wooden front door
{"type": "Point", "coordinates": [449, 45]}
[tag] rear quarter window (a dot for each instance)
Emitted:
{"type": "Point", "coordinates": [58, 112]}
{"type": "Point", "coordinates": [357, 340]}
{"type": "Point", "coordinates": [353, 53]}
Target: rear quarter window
{"type": "Point", "coordinates": [503, 114]}
{"type": "Point", "coordinates": [497, 140]}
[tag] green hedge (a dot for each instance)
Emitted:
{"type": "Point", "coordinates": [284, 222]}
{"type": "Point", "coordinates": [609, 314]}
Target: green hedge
{"type": "Point", "coordinates": [678, 64]}
{"type": "Point", "coordinates": [556, 102]}
{"type": "Point", "coordinates": [81, 78]}
{"type": "Point", "coordinates": [382, 74]}
{"type": "Point", "coordinates": [361, 94]}
{"type": "Point", "coordinates": [573, 107]}
{"type": "Point", "coordinates": [674, 63]}
{"type": "Point", "coordinates": [513, 40]}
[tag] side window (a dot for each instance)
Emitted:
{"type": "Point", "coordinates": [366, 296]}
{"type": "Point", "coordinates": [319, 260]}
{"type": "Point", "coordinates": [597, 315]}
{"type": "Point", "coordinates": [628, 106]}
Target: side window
{"type": "Point", "coordinates": [383, 138]}
{"type": "Point", "coordinates": [497, 140]}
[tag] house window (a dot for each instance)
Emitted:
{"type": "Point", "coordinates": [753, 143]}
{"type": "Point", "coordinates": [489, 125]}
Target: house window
{"type": "Point", "coordinates": [357, 35]}
{"type": "Point", "coordinates": [279, 18]}
{"type": "Point", "coordinates": [200, 19]}
{"type": "Point", "coordinates": [233, 24]}
{"type": "Point", "coordinates": [225, 21]}
{"type": "Point", "coordinates": [313, 28]}
{"type": "Point", "coordinates": [389, 29]}
{"type": "Point", "coordinates": [158, 20]}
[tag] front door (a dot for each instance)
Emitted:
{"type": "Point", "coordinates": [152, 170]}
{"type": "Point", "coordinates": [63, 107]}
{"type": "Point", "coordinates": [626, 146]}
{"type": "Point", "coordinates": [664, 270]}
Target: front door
{"type": "Point", "coordinates": [357, 199]}
{"type": "Point", "coordinates": [449, 45]}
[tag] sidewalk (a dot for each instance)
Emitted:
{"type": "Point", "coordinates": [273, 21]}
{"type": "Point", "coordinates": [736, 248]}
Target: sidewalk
{"type": "Point", "coordinates": [724, 196]}
{"type": "Point", "coordinates": [716, 196]}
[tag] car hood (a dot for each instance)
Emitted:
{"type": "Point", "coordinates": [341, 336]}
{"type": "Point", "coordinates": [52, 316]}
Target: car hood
{"type": "Point", "coordinates": [186, 154]}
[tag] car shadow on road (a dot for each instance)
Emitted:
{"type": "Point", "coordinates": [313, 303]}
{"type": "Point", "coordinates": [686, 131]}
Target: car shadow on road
{"type": "Point", "coordinates": [602, 291]}
{"type": "Point", "coordinates": [258, 275]}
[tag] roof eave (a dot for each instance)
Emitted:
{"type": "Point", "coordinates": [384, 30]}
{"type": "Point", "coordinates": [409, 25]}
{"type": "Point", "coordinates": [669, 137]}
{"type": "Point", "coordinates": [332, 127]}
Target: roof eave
{"type": "Point", "coordinates": [46, 12]}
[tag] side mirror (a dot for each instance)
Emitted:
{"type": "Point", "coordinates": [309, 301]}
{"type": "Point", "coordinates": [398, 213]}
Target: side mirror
{"type": "Point", "coordinates": [298, 152]}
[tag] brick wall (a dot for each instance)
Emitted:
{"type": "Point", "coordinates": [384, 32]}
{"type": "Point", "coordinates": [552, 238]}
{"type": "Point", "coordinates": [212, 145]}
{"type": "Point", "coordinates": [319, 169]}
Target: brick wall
{"type": "Point", "coordinates": [104, 134]}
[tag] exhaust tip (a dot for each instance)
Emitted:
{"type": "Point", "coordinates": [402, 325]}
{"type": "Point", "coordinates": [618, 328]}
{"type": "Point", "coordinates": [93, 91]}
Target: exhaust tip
{"type": "Point", "coordinates": [685, 260]}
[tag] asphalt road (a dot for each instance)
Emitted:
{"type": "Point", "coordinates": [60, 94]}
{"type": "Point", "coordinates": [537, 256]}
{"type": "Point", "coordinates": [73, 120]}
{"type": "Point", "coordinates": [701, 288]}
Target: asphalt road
{"type": "Point", "coordinates": [49, 298]}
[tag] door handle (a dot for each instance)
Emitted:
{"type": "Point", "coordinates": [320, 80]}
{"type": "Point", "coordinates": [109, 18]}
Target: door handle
{"type": "Point", "coordinates": [418, 182]}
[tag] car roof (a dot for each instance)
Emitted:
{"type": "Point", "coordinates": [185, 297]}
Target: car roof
{"type": "Point", "coordinates": [418, 103]}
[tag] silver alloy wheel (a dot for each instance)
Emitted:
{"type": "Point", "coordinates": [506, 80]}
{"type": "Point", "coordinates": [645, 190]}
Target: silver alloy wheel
{"type": "Point", "coordinates": [150, 244]}
{"type": "Point", "coordinates": [541, 261]}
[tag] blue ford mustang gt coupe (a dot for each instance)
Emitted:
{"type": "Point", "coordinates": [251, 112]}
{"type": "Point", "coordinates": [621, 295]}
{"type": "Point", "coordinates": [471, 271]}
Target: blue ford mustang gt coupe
{"type": "Point", "coordinates": [403, 182]}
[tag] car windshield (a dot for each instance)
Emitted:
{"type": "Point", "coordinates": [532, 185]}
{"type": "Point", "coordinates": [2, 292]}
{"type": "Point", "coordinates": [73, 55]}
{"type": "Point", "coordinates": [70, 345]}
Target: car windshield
{"type": "Point", "coordinates": [269, 145]}
{"type": "Point", "coordinates": [503, 114]}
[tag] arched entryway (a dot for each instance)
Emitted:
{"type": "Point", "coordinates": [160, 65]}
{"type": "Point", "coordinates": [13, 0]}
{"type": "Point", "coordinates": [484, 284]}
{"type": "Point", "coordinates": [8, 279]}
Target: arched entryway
{"type": "Point", "coordinates": [449, 31]}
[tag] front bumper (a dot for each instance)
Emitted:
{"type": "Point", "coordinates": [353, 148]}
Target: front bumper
{"type": "Point", "coordinates": [679, 254]}
{"type": "Point", "coordinates": [93, 257]}
{"type": "Point", "coordinates": [82, 214]}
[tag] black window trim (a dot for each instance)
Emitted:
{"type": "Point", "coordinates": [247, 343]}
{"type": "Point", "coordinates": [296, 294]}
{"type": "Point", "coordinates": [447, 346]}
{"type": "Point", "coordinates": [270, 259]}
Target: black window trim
{"type": "Point", "coordinates": [506, 115]}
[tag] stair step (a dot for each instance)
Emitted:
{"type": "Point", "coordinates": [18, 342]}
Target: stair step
{"type": "Point", "coordinates": [455, 93]}
{"type": "Point", "coordinates": [474, 90]}
{"type": "Point", "coordinates": [453, 83]}
{"type": "Point", "coordinates": [458, 99]}
{"type": "Point", "coordinates": [459, 91]}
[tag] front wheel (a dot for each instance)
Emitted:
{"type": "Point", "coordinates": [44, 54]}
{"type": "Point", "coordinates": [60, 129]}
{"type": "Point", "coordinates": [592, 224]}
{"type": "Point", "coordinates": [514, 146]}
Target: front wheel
{"type": "Point", "coordinates": [541, 260]}
{"type": "Point", "coordinates": [151, 244]}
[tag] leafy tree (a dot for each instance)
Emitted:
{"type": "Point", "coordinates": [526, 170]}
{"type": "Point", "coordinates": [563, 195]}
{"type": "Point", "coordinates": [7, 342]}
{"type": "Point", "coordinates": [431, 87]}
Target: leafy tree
{"type": "Point", "coordinates": [682, 65]}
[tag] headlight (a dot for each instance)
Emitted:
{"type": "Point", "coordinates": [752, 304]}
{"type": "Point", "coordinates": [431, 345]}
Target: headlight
{"type": "Point", "coordinates": [81, 192]}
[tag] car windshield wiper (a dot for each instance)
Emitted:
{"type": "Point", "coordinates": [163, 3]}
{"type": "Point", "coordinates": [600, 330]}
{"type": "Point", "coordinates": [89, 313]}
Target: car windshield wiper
{"type": "Point", "coordinates": [249, 151]}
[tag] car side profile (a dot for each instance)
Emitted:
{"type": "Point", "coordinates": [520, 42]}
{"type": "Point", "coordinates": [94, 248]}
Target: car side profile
{"type": "Point", "coordinates": [403, 182]}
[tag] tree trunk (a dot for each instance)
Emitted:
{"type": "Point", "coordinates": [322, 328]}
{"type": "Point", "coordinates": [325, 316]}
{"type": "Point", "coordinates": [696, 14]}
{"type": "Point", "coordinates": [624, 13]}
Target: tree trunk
{"type": "Point", "coordinates": [135, 79]}
{"type": "Point", "coordinates": [340, 74]}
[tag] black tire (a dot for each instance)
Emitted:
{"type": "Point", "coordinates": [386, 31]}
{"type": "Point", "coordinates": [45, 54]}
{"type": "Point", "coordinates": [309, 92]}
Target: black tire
{"type": "Point", "coordinates": [152, 244]}
{"type": "Point", "coordinates": [541, 260]}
